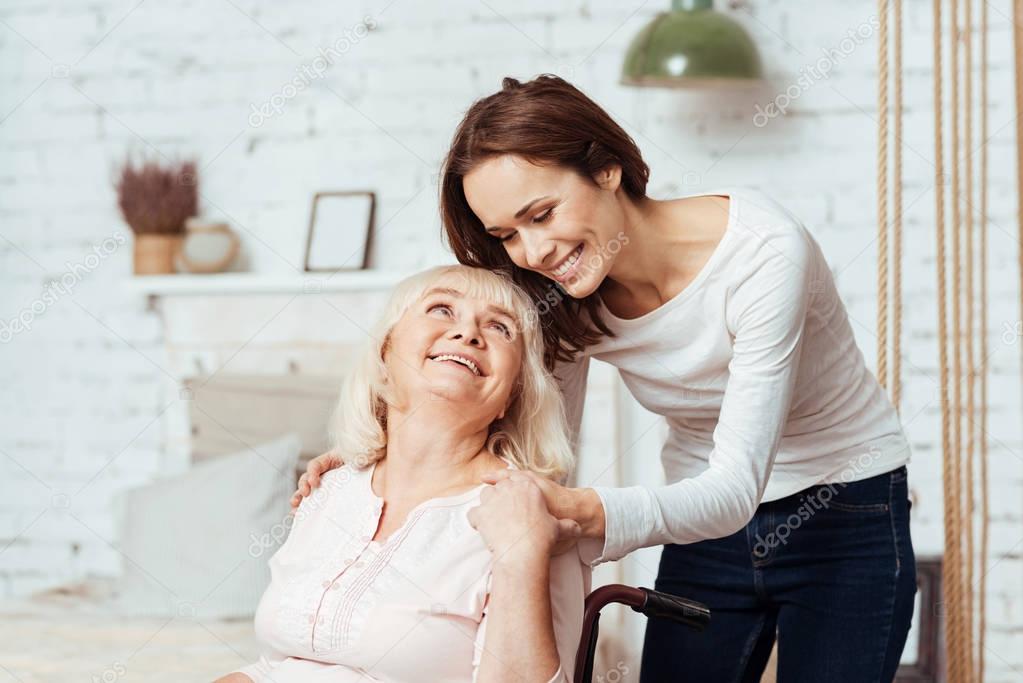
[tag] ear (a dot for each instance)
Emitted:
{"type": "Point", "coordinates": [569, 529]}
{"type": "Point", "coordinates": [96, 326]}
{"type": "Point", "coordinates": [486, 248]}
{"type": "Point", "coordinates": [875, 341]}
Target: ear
{"type": "Point", "coordinates": [609, 178]}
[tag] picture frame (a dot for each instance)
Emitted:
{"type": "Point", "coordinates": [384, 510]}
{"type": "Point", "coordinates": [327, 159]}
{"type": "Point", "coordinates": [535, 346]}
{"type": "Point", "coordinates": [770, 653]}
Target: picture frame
{"type": "Point", "coordinates": [340, 231]}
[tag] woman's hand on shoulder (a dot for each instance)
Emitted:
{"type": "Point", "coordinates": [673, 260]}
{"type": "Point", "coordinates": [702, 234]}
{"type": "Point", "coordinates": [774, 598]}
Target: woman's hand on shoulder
{"type": "Point", "coordinates": [310, 479]}
{"type": "Point", "coordinates": [515, 523]}
{"type": "Point", "coordinates": [568, 505]}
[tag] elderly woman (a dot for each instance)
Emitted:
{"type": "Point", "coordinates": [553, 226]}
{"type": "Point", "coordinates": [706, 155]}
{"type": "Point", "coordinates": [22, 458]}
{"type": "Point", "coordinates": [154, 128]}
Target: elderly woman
{"type": "Point", "coordinates": [402, 567]}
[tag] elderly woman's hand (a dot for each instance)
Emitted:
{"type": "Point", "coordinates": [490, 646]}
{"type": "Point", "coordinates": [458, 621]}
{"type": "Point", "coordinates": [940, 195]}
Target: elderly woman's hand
{"type": "Point", "coordinates": [580, 510]}
{"type": "Point", "coordinates": [513, 519]}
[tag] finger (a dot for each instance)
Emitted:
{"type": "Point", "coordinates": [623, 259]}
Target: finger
{"type": "Point", "coordinates": [314, 470]}
{"type": "Point", "coordinates": [495, 476]}
{"type": "Point", "coordinates": [318, 465]}
{"type": "Point", "coordinates": [568, 528]}
{"type": "Point", "coordinates": [295, 500]}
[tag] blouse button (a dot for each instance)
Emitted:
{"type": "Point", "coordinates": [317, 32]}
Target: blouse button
{"type": "Point", "coordinates": [326, 584]}
{"type": "Point", "coordinates": [359, 564]}
{"type": "Point", "coordinates": [364, 539]}
{"type": "Point", "coordinates": [311, 618]}
{"type": "Point", "coordinates": [335, 586]}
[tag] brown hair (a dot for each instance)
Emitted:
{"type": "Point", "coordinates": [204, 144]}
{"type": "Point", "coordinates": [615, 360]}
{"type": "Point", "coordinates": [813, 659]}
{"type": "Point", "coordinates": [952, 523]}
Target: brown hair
{"type": "Point", "coordinates": [549, 122]}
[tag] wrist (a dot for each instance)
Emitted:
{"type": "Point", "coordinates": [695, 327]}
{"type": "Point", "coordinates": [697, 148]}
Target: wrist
{"type": "Point", "coordinates": [589, 512]}
{"type": "Point", "coordinates": [523, 559]}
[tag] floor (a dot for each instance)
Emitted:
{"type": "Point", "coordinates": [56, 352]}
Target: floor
{"type": "Point", "coordinates": [65, 638]}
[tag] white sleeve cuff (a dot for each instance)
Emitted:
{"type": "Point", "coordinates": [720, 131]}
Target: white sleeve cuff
{"type": "Point", "coordinates": [624, 530]}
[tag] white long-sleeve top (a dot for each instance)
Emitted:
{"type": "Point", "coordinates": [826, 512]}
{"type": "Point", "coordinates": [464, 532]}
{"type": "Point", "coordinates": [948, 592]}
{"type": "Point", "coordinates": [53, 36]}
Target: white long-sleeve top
{"type": "Point", "coordinates": [756, 370]}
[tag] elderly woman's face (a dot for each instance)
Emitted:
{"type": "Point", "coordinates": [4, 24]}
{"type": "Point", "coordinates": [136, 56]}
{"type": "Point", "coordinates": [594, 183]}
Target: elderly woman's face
{"type": "Point", "coordinates": [453, 347]}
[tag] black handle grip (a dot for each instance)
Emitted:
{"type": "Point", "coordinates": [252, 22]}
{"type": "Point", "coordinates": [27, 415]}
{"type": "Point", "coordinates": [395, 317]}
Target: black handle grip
{"type": "Point", "coordinates": [665, 606]}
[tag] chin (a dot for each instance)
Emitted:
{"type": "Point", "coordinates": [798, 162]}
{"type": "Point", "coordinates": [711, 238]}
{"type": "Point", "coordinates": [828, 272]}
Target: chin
{"type": "Point", "coordinates": [452, 391]}
{"type": "Point", "coordinates": [582, 287]}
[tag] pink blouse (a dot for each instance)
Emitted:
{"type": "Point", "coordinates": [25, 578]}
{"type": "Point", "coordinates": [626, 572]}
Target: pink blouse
{"type": "Point", "coordinates": [342, 608]}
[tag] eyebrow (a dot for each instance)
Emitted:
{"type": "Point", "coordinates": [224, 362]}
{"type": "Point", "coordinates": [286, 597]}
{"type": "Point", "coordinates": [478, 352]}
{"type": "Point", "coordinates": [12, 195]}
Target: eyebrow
{"type": "Point", "coordinates": [454, 292]}
{"type": "Point", "coordinates": [520, 212]}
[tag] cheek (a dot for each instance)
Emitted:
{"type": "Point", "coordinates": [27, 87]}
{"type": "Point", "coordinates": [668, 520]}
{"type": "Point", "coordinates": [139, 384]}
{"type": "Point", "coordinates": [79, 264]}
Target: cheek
{"type": "Point", "coordinates": [513, 369]}
{"type": "Point", "coordinates": [516, 253]}
{"type": "Point", "coordinates": [418, 339]}
{"type": "Point", "coordinates": [507, 367]}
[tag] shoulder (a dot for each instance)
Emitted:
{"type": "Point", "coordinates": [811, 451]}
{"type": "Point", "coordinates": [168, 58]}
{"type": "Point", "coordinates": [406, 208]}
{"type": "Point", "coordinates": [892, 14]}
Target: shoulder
{"type": "Point", "coordinates": [763, 221]}
{"type": "Point", "coordinates": [336, 485]}
{"type": "Point", "coordinates": [771, 242]}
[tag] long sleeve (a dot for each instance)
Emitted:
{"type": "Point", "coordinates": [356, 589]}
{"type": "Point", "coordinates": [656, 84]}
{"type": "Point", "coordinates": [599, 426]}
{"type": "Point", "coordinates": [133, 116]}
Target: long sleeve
{"type": "Point", "coordinates": [571, 580]}
{"type": "Point", "coordinates": [765, 310]}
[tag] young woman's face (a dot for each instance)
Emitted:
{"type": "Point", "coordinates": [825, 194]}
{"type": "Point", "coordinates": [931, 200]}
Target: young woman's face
{"type": "Point", "coordinates": [452, 347]}
{"type": "Point", "coordinates": [550, 219]}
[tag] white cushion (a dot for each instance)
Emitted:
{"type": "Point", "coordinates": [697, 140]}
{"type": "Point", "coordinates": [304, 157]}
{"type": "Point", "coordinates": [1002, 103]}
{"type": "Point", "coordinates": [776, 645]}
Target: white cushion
{"type": "Point", "coordinates": [198, 544]}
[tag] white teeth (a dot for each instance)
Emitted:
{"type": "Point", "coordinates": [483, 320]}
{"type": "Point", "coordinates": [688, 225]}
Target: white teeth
{"type": "Point", "coordinates": [569, 262]}
{"type": "Point", "coordinates": [459, 359]}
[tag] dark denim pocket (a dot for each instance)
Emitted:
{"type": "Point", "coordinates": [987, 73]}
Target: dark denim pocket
{"type": "Point", "coordinates": [868, 508]}
{"type": "Point", "coordinates": [871, 496]}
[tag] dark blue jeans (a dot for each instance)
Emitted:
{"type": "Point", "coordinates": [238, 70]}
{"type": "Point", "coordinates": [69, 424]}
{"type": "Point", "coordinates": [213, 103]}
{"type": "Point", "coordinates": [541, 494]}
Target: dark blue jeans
{"type": "Point", "coordinates": [829, 570]}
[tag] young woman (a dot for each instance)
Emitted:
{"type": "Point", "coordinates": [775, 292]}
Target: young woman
{"type": "Point", "coordinates": [403, 567]}
{"type": "Point", "coordinates": [786, 509]}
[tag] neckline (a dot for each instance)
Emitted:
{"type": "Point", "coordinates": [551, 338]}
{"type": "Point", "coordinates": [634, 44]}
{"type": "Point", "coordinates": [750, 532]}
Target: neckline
{"type": "Point", "coordinates": [440, 501]}
{"type": "Point", "coordinates": [695, 283]}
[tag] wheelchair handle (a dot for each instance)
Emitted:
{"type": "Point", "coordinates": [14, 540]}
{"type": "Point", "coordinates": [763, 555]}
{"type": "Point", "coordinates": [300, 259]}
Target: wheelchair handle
{"type": "Point", "coordinates": [643, 600]}
{"type": "Point", "coordinates": [662, 605]}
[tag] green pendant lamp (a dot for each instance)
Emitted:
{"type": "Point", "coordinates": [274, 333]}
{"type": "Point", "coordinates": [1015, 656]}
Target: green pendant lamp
{"type": "Point", "coordinates": [692, 46]}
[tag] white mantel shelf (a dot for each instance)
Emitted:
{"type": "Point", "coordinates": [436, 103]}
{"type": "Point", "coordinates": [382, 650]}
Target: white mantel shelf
{"type": "Point", "coordinates": [263, 283]}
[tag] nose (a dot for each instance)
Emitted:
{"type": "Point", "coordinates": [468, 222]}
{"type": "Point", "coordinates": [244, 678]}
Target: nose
{"type": "Point", "coordinates": [538, 250]}
{"type": "Point", "coordinates": [468, 332]}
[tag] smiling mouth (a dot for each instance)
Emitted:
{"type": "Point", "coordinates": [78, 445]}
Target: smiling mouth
{"type": "Point", "coordinates": [466, 363]}
{"type": "Point", "coordinates": [568, 265]}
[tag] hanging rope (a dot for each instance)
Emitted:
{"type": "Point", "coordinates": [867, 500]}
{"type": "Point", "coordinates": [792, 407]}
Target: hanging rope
{"type": "Point", "coordinates": [971, 364]}
{"type": "Point", "coordinates": [897, 220]}
{"type": "Point", "coordinates": [951, 582]}
{"type": "Point", "coordinates": [889, 234]}
{"type": "Point", "coordinates": [882, 195]}
{"type": "Point", "coordinates": [984, 514]}
{"type": "Point", "coordinates": [957, 293]}
{"type": "Point", "coordinates": [1017, 44]}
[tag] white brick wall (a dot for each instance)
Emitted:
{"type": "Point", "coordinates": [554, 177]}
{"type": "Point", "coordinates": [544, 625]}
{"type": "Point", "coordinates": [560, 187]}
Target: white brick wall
{"type": "Point", "coordinates": [83, 83]}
